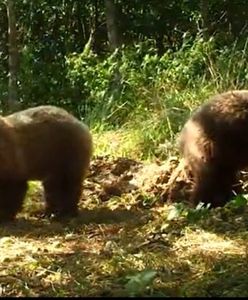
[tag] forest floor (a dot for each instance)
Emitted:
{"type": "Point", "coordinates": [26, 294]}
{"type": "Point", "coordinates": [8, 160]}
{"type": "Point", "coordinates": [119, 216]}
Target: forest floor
{"type": "Point", "coordinates": [126, 241]}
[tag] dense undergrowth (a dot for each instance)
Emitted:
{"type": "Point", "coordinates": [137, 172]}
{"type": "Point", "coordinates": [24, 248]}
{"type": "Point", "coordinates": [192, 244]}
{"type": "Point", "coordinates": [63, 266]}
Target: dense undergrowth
{"type": "Point", "coordinates": [142, 97]}
{"type": "Point", "coordinates": [156, 94]}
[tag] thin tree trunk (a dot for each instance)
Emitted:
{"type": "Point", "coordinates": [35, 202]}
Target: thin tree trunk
{"type": "Point", "coordinates": [12, 103]}
{"type": "Point", "coordinates": [114, 35]}
{"type": "Point", "coordinates": [204, 8]}
{"type": "Point", "coordinates": [115, 40]}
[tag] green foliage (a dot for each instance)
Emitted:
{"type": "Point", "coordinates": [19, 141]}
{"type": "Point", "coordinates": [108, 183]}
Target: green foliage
{"type": "Point", "coordinates": [192, 215]}
{"type": "Point", "coordinates": [200, 212]}
{"type": "Point", "coordinates": [111, 85]}
{"type": "Point", "coordinates": [239, 201]}
{"type": "Point", "coordinates": [126, 82]}
{"type": "Point", "coordinates": [151, 96]}
{"type": "Point", "coordinates": [236, 67]}
{"type": "Point", "coordinates": [138, 283]}
{"type": "Point", "coordinates": [189, 64]}
{"type": "Point", "coordinates": [150, 85]}
{"type": "Point", "coordinates": [42, 83]}
{"type": "Point", "coordinates": [147, 201]}
{"type": "Point", "coordinates": [133, 78]}
{"type": "Point", "coordinates": [176, 211]}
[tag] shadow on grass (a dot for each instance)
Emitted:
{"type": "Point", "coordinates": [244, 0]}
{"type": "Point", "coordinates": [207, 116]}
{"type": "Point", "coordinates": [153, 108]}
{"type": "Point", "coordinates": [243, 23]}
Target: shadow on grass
{"type": "Point", "coordinates": [86, 267]}
{"type": "Point", "coordinates": [227, 278]}
{"type": "Point", "coordinates": [37, 227]}
{"type": "Point", "coordinates": [83, 273]}
{"type": "Point", "coordinates": [222, 221]}
{"type": "Point", "coordinates": [231, 222]}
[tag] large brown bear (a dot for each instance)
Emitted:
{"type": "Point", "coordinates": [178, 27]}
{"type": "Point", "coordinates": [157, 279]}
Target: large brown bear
{"type": "Point", "coordinates": [44, 143]}
{"type": "Point", "coordinates": [214, 145]}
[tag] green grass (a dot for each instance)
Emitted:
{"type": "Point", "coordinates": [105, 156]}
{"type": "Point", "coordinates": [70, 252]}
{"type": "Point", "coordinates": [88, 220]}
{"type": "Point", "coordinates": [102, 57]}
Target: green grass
{"type": "Point", "coordinates": [151, 132]}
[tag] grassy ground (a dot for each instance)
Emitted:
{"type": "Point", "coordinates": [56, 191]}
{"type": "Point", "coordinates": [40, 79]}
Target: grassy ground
{"type": "Point", "coordinates": [125, 242]}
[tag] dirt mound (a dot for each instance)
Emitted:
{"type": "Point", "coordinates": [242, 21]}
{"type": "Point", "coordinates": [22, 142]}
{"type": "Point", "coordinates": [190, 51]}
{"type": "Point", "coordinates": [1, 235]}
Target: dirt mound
{"type": "Point", "coordinates": [167, 181]}
{"type": "Point", "coordinates": [108, 178]}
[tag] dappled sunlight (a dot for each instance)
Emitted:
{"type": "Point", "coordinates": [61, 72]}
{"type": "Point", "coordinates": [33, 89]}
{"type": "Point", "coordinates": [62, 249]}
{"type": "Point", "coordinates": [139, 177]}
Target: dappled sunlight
{"type": "Point", "coordinates": [118, 236]}
{"type": "Point", "coordinates": [117, 143]}
{"type": "Point", "coordinates": [200, 241]}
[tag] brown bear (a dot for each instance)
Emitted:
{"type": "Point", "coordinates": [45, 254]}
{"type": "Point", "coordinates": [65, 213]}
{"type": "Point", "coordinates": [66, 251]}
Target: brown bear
{"type": "Point", "coordinates": [48, 144]}
{"type": "Point", "coordinates": [214, 146]}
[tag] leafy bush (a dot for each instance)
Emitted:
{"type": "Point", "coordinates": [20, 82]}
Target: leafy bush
{"type": "Point", "coordinates": [133, 88]}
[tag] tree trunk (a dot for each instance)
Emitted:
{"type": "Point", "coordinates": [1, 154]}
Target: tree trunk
{"type": "Point", "coordinates": [115, 41]}
{"type": "Point", "coordinates": [114, 36]}
{"type": "Point", "coordinates": [204, 8]}
{"type": "Point", "coordinates": [12, 103]}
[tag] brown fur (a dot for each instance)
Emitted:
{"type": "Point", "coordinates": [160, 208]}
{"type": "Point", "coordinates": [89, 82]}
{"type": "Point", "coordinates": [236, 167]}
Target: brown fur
{"type": "Point", "coordinates": [214, 144]}
{"type": "Point", "coordinates": [48, 144]}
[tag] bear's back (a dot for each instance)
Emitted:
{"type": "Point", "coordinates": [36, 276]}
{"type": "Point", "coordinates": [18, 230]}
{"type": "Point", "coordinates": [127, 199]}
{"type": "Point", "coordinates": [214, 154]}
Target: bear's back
{"type": "Point", "coordinates": [48, 136]}
{"type": "Point", "coordinates": [220, 124]}
{"type": "Point", "coordinates": [44, 113]}
{"type": "Point", "coordinates": [227, 108]}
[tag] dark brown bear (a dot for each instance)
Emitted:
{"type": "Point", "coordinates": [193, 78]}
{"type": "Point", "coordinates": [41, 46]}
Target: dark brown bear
{"type": "Point", "coordinates": [214, 145]}
{"type": "Point", "coordinates": [44, 143]}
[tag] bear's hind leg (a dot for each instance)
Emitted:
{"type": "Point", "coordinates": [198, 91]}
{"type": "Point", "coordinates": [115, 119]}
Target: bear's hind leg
{"type": "Point", "coordinates": [12, 194]}
{"type": "Point", "coordinates": [62, 194]}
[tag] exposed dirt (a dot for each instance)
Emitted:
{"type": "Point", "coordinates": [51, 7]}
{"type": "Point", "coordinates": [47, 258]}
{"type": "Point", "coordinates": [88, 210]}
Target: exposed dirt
{"type": "Point", "coordinates": [167, 181]}
{"type": "Point", "coordinates": [121, 176]}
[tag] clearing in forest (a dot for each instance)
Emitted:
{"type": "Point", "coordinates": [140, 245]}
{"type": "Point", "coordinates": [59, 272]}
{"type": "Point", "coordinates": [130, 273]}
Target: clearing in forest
{"type": "Point", "coordinates": [127, 240]}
